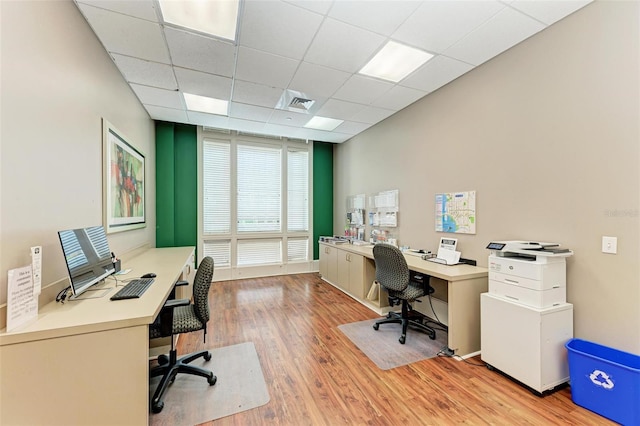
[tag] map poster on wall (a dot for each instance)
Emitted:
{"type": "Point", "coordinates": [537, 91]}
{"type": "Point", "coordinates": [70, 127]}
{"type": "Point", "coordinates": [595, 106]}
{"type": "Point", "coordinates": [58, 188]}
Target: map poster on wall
{"type": "Point", "coordinates": [456, 212]}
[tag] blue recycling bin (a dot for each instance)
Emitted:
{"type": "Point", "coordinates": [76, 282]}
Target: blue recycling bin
{"type": "Point", "coordinates": [605, 380]}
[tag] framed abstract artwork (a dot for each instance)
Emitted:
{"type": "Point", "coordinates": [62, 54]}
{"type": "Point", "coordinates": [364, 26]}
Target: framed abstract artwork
{"type": "Point", "coordinates": [123, 182]}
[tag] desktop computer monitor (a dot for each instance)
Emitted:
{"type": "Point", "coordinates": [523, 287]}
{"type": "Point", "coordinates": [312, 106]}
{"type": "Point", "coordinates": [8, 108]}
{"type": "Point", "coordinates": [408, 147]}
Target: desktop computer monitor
{"type": "Point", "coordinates": [88, 257]}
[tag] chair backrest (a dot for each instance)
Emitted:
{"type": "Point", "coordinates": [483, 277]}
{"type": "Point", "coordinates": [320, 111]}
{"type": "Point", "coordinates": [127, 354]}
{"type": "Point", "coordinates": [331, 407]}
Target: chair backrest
{"type": "Point", "coordinates": [392, 271]}
{"type": "Point", "coordinates": [201, 284]}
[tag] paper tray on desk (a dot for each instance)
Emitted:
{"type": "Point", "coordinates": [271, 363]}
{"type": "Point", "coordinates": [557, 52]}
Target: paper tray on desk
{"type": "Point", "coordinates": [441, 261]}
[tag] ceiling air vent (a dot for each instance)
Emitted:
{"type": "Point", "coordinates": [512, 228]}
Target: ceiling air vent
{"type": "Point", "coordinates": [301, 103]}
{"type": "Point", "coordinates": [295, 102]}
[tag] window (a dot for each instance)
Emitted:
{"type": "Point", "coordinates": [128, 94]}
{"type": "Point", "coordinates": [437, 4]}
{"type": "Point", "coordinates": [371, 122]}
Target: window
{"type": "Point", "coordinates": [259, 189]}
{"type": "Point", "coordinates": [216, 187]}
{"type": "Point", "coordinates": [255, 200]}
{"type": "Point", "coordinates": [298, 187]}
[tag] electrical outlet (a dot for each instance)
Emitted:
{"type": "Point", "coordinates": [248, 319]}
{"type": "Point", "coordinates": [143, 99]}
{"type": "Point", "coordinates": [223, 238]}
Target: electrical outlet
{"type": "Point", "coordinates": [610, 245]}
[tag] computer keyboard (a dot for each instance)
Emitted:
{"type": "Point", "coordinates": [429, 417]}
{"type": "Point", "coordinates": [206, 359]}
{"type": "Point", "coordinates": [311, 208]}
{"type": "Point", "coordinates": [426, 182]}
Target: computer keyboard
{"type": "Point", "coordinates": [133, 289]}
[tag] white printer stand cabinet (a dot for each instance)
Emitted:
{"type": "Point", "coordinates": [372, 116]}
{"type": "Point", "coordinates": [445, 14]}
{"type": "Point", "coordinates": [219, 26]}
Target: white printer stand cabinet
{"type": "Point", "coordinates": [526, 343]}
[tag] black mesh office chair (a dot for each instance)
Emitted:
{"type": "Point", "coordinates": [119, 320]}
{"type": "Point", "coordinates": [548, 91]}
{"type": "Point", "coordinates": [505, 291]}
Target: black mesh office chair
{"type": "Point", "coordinates": [181, 316]}
{"type": "Point", "coordinates": [392, 272]}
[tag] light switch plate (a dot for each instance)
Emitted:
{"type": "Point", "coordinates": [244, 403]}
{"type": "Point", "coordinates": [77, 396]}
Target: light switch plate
{"type": "Point", "coordinates": [610, 245]}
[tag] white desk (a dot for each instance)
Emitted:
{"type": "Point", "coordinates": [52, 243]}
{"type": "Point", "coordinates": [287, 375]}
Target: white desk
{"type": "Point", "coordinates": [86, 362]}
{"type": "Point", "coordinates": [464, 285]}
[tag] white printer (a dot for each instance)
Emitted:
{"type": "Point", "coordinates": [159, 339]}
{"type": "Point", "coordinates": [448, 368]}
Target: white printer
{"type": "Point", "coordinates": [525, 320]}
{"type": "Point", "coordinates": [530, 273]}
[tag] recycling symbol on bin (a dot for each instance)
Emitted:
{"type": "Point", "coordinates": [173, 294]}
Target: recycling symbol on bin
{"type": "Point", "coordinates": [600, 378]}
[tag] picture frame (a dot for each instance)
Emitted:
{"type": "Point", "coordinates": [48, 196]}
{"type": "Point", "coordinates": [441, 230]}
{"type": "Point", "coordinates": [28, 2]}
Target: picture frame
{"type": "Point", "coordinates": [124, 177]}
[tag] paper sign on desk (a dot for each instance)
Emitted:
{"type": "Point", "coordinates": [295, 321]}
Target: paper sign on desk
{"type": "Point", "coordinates": [22, 303]}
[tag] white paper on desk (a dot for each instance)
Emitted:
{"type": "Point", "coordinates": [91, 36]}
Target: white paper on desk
{"type": "Point", "coordinates": [450, 256]}
{"type": "Point", "coordinates": [22, 303]}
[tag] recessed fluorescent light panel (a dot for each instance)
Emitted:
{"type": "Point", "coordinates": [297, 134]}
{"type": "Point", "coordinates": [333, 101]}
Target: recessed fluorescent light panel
{"type": "Point", "coordinates": [205, 104]}
{"type": "Point", "coordinates": [395, 61]}
{"type": "Point", "coordinates": [323, 123]}
{"type": "Point", "coordinates": [218, 18]}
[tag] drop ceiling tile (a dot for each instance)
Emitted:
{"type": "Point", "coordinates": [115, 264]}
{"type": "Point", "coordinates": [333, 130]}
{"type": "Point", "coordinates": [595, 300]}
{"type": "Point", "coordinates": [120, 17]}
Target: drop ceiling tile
{"type": "Point", "coordinates": [372, 115]}
{"type": "Point", "coordinates": [280, 130]}
{"type": "Point", "coordinates": [255, 94]}
{"type": "Point", "coordinates": [323, 136]}
{"type": "Point", "coordinates": [436, 73]}
{"type": "Point", "coordinates": [167, 114]}
{"type": "Point", "coordinates": [316, 80]}
{"type": "Point", "coordinates": [246, 125]}
{"type": "Point", "coordinates": [503, 31]}
{"type": "Point", "coordinates": [288, 118]}
{"type": "Point", "coordinates": [146, 72]}
{"type": "Point", "coordinates": [352, 127]}
{"type": "Point", "coordinates": [330, 48]}
{"type": "Point", "coordinates": [362, 90]}
{"type": "Point", "coordinates": [264, 68]}
{"type": "Point", "coordinates": [437, 25]}
{"type": "Point", "coordinates": [211, 120]}
{"type": "Point", "coordinates": [318, 6]}
{"type": "Point", "coordinates": [249, 112]}
{"type": "Point", "coordinates": [126, 35]}
{"type": "Point", "coordinates": [340, 110]}
{"type": "Point", "coordinates": [382, 17]}
{"type": "Point", "coordinates": [143, 9]}
{"type": "Point", "coordinates": [200, 53]}
{"type": "Point", "coordinates": [548, 11]}
{"type": "Point", "coordinates": [398, 97]}
{"type": "Point", "coordinates": [278, 27]}
{"type": "Point", "coordinates": [159, 97]}
{"type": "Point", "coordinates": [203, 84]}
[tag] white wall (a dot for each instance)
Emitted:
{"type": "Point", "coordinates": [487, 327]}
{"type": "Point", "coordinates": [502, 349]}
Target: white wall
{"type": "Point", "coordinates": [57, 83]}
{"type": "Point", "coordinates": [548, 135]}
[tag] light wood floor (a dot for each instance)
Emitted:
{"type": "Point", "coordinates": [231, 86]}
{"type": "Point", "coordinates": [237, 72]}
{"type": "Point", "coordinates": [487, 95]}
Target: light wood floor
{"type": "Point", "coordinates": [316, 376]}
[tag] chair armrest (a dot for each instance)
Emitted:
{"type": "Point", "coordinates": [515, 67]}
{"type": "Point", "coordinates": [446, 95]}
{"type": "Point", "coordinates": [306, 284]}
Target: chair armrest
{"type": "Point", "coordinates": [172, 303]}
{"type": "Point", "coordinates": [164, 321]}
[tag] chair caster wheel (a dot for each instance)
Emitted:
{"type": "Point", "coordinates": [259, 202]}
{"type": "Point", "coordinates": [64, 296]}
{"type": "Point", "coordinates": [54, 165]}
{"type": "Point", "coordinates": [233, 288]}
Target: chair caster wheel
{"type": "Point", "coordinates": [212, 380]}
{"type": "Point", "coordinates": [157, 407]}
{"type": "Point", "coordinates": [402, 339]}
{"type": "Point", "coordinates": [376, 326]}
{"type": "Point", "coordinates": [207, 356]}
{"type": "Point", "coordinates": [163, 359]}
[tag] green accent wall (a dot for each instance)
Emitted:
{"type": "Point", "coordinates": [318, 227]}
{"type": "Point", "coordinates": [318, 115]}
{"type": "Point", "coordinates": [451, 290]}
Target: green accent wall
{"type": "Point", "coordinates": [176, 185]}
{"type": "Point", "coordinates": [322, 193]}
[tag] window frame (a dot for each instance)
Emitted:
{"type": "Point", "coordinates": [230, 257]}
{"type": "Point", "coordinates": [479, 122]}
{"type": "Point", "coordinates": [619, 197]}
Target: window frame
{"type": "Point", "coordinates": [285, 145]}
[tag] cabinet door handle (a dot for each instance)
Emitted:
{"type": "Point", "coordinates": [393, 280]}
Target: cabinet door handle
{"type": "Point", "coordinates": [511, 281]}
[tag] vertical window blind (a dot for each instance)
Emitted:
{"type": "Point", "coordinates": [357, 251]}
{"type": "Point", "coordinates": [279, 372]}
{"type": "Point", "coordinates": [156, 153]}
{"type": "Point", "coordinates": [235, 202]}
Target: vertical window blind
{"type": "Point", "coordinates": [216, 185]}
{"type": "Point", "coordinates": [298, 190]}
{"type": "Point", "coordinates": [259, 189]}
